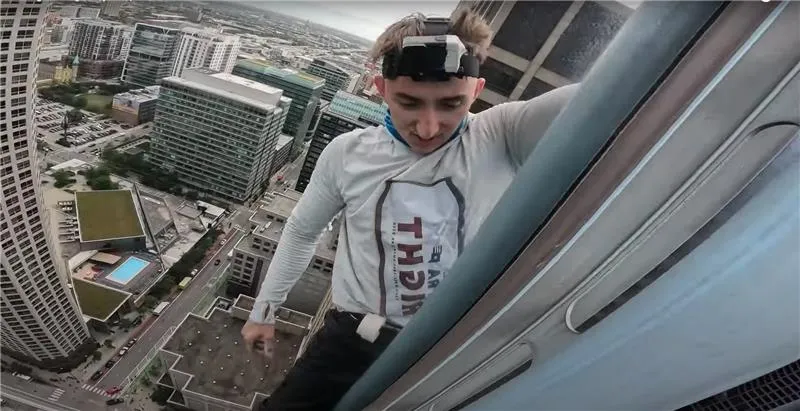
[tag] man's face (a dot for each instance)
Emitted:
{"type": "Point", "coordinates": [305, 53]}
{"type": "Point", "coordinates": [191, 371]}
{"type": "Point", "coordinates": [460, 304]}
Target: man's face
{"type": "Point", "coordinates": [427, 113]}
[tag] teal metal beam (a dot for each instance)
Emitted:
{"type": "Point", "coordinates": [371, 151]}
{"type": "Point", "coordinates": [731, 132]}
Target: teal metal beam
{"type": "Point", "coordinates": [643, 51]}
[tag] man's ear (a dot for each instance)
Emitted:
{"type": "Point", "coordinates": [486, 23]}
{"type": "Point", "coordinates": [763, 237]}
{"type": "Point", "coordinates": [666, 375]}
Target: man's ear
{"type": "Point", "coordinates": [479, 86]}
{"type": "Point", "coordinates": [380, 84]}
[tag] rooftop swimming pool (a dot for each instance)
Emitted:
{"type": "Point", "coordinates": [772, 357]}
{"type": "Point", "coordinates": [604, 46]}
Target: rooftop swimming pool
{"type": "Point", "coordinates": [128, 270]}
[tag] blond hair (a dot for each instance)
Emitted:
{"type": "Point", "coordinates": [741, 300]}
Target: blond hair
{"type": "Point", "coordinates": [473, 31]}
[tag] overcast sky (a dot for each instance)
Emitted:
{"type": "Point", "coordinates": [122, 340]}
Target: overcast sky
{"type": "Point", "coordinates": [363, 18]}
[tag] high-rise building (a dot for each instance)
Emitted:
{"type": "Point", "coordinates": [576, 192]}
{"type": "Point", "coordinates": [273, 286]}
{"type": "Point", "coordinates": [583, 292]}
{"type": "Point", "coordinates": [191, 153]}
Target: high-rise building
{"type": "Point", "coordinates": [542, 45]}
{"type": "Point", "coordinates": [218, 132]}
{"type": "Point", "coordinates": [41, 322]}
{"type": "Point", "coordinates": [358, 108]}
{"type": "Point", "coordinates": [101, 46]}
{"type": "Point", "coordinates": [111, 8]}
{"type": "Point", "coordinates": [253, 254]}
{"type": "Point", "coordinates": [154, 48]}
{"type": "Point", "coordinates": [201, 47]}
{"type": "Point", "coordinates": [207, 365]}
{"type": "Point", "coordinates": [304, 89]}
{"type": "Point", "coordinates": [346, 112]}
{"type": "Point", "coordinates": [336, 77]}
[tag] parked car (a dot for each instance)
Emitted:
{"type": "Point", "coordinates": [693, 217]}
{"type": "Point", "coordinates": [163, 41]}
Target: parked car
{"type": "Point", "coordinates": [110, 363]}
{"type": "Point", "coordinates": [123, 351]}
{"type": "Point", "coordinates": [96, 376]}
{"type": "Point", "coordinates": [131, 342]}
{"type": "Point", "coordinates": [115, 401]}
{"type": "Point", "coordinates": [113, 390]}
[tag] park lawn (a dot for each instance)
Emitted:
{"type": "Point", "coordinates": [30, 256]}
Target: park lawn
{"type": "Point", "coordinates": [107, 214]}
{"type": "Point", "coordinates": [97, 103]}
{"type": "Point", "coordinates": [97, 301]}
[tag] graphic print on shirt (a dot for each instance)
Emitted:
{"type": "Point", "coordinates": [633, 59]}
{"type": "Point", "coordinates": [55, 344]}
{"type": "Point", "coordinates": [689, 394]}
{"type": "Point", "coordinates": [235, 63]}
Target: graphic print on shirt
{"type": "Point", "coordinates": [419, 229]}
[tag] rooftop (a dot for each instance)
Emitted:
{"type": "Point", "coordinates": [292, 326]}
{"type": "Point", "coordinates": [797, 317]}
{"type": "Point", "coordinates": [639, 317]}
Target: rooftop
{"type": "Point", "coordinates": [142, 94]}
{"type": "Point", "coordinates": [108, 214]}
{"type": "Point", "coordinates": [283, 140]}
{"type": "Point", "coordinates": [230, 87]}
{"type": "Point", "coordinates": [282, 205]}
{"type": "Point", "coordinates": [97, 301]}
{"type": "Point", "coordinates": [211, 351]}
{"type": "Point", "coordinates": [292, 76]}
{"type": "Point", "coordinates": [247, 83]}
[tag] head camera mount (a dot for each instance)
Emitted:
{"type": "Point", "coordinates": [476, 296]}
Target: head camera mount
{"type": "Point", "coordinates": [433, 56]}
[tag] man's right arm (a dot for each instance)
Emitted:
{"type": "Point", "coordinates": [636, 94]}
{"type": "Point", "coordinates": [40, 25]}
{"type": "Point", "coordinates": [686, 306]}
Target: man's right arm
{"type": "Point", "coordinates": [321, 201]}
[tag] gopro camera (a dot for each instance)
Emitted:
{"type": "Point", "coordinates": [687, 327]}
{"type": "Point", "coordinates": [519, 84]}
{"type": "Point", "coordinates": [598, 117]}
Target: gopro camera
{"type": "Point", "coordinates": [435, 55]}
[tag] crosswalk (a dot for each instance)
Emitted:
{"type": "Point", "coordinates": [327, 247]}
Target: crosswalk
{"type": "Point", "coordinates": [97, 390]}
{"type": "Point", "coordinates": [56, 394]}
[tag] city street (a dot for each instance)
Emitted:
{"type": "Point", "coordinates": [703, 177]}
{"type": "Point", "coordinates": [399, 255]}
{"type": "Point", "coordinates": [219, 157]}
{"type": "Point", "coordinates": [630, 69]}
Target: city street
{"type": "Point", "coordinates": [172, 316]}
{"type": "Point", "coordinates": [49, 398]}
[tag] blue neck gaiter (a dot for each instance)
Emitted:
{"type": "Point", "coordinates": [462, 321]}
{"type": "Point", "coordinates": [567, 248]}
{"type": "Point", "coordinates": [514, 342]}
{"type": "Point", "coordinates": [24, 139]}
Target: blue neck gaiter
{"type": "Point", "coordinates": [387, 122]}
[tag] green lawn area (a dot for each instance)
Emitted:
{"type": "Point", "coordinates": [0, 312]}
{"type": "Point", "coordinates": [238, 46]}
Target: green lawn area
{"type": "Point", "coordinates": [96, 102]}
{"type": "Point", "coordinates": [107, 214]}
{"type": "Point", "coordinates": [96, 300]}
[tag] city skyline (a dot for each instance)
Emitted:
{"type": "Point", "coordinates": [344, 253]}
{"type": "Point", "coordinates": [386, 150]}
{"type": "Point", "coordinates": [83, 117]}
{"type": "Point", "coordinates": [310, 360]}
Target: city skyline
{"type": "Point", "coordinates": [363, 19]}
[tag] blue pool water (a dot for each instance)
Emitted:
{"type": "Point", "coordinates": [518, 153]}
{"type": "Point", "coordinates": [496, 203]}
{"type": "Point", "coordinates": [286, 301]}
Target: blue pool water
{"type": "Point", "coordinates": [127, 270]}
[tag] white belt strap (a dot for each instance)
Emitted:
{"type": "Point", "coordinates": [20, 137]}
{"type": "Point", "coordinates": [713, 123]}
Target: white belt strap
{"type": "Point", "coordinates": [370, 327]}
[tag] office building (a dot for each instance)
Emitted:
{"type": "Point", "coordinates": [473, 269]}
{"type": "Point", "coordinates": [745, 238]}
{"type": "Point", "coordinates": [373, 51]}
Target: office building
{"type": "Point", "coordinates": [209, 368]}
{"type": "Point", "coordinates": [323, 104]}
{"type": "Point", "coordinates": [218, 132]}
{"type": "Point", "coordinates": [202, 47]}
{"type": "Point", "coordinates": [358, 108]}
{"type": "Point", "coordinates": [346, 112]}
{"type": "Point", "coordinates": [42, 324]}
{"type": "Point", "coordinates": [336, 77]}
{"type": "Point", "coordinates": [283, 151]}
{"type": "Point", "coordinates": [253, 254]}
{"type": "Point", "coordinates": [542, 45]}
{"type": "Point", "coordinates": [101, 46]}
{"type": "Point", "coordinates": [136, 106]}
{"type": "Point", "coordinates": [304, 90]}
{"type": "Point", "coordinates": [154, 48]}
{"type": "Point", "coordinates": [111, 8]}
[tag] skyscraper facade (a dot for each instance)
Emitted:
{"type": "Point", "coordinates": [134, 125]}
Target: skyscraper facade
{"type": "Point", "coordinates": [336, 77]}
{"type": "Point", "coordinates": [154, 48]}
{"type": "Point", "coordinates": [201, 47]}
{"type": "Point", "coordinates": [101, 46]}
{"type": "Point", "coordinates": [542, 45]}
{"type": "Point", "coordinates": [346, 112]}
{"type": "Point", "coordinates": [41, 321]}
{"type": "Point", "coordinates": [218, 132]}
{"type": "Point", "coordinates": [304, 89]}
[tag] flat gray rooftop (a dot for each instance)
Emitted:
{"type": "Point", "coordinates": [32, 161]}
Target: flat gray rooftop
{"type": "Point", "coordinates": [214, 354]}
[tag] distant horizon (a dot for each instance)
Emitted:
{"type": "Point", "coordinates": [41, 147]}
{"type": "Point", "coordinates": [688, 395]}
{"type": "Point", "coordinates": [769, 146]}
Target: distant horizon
{"type": "Point", "coordinates": [365, 20]}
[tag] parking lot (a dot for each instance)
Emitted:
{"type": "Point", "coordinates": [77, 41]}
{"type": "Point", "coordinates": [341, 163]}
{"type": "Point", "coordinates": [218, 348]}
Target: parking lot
{"type": "Point", "coordinates": [89, 135]}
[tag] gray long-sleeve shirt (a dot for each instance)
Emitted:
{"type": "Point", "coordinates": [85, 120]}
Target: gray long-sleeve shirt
{"type": "Point", "coordinates": [405, 216]}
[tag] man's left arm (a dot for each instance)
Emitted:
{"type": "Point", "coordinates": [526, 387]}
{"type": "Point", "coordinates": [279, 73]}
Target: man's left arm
{"type": "Point", "coordinates": [525, 122]}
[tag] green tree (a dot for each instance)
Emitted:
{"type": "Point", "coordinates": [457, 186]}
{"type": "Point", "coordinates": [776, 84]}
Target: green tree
{"type": "Point", "coordinates": [102, 182]}
{"type": "Point", "coordinates": [63, 178]}
{"type": "Point", "coordinates": [80, 101]}
{"type": "Point", "coordinates": [108, 343]}
{"type": "Point", "coordinates": [97, 355]}
{"type": "Point", "coordinates": [74, 116]}
{"type": "Point", "coordinates": [149, 302]}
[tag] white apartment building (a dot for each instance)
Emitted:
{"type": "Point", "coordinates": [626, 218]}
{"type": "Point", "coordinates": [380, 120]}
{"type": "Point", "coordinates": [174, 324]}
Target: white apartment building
{"type": "Point", "coordinates": [218, 132]}
{"type": "Point", "coordinates": [41, 321]}
{"type": "Point", "coordinates": [100, 40]}
{"type": "Point", "coordinates": [201, 47]}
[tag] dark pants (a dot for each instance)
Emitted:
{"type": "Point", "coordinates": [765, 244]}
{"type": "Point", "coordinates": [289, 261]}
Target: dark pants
{"type": "Point", "coordinates": [334, 360]}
